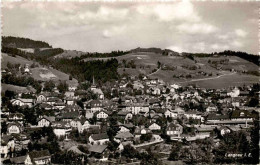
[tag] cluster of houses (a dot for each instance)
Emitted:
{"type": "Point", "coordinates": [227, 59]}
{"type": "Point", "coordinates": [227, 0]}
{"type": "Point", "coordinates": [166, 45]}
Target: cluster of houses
{"type": "Point", "coordinates": [179, 108]}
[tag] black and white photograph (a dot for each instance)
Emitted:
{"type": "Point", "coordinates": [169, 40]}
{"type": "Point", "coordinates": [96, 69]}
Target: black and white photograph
{"type": "Point", "coordinates": [130, 82]}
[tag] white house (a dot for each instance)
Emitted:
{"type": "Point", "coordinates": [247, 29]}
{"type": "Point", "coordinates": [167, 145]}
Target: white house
{"type": "Point", "coordinates": [169, 113]}
{"type": "Point", "coordinates": [102, 114]}
{"type": "Point", "coordinates": [23, 102]}
{"type": "Point", "coordinates": [234, 93]}
{"type": "Point", "coordinates": [45, 121]}
{"type": "Point", "coordinates": [99, 139]}
{"type": "Point", "coordinates": [154, 126]}
{"type": "Point", "coordinates": [14, 128]}
{"type": "Point", "coordinates": [193, 115]}
{"type": "Point", "coordinates": [61, 128]}
{"type": "Point", "coordinates": [137, 108]}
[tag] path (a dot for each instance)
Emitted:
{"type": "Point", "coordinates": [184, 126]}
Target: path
{"type": "Point", "coordinates": [154, 72]}
{"type": "Point", "coordinates": [210, 78]}
{"type": "Point", "coordinates": [146, 144]}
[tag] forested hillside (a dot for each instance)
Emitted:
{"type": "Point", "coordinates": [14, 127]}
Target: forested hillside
{"type": "Point", "coordinates": [17, 42]}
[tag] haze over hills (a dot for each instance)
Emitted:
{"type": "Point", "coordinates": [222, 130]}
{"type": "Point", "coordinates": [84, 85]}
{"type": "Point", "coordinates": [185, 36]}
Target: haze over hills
{"type": "Point", "coordinates": [206, 70]}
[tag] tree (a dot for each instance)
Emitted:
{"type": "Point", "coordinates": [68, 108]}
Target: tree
{"type": "Point", "coordinates": [146, 137]}
{"type": "Point", "coordinates": [3, 127]}
{"type": "Point", "coordinates": [62, 87]}
{"type": "Point", "coordinates": [49, 86]}
{"type": "Point", "coordinates": [129, 151]}
{"type": "Point", "coordinates": [253, 102]}
{"type": "Point", "coordinates": [175, 152]}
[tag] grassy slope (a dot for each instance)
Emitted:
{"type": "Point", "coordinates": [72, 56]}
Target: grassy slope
{"type": "Point", "coordinates": [69, 54]}
{"type": "Point", "coordinates": [151, 59]}
{"type": "Point", "coordinates": [13, 60]}
{"type": "Point", "coordinates": [36, 72]}
{"type": "Point", "coordinates": [14, 88]}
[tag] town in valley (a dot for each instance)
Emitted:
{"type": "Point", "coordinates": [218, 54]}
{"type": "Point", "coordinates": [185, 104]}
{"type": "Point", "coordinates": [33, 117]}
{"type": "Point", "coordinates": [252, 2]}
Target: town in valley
{"type": "Point", "coordinates": [131, 83]}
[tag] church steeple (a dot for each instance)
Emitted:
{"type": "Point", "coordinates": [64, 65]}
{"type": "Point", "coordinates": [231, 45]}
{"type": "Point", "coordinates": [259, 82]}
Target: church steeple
{"type": "Point", "coordinates": [93, 86]}
{"type": "Point", "coordinates": [93, 80]}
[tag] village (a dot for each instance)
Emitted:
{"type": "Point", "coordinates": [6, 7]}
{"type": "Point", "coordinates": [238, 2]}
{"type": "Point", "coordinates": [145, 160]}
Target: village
{"type": "Point", "coordinates": [137, 116]}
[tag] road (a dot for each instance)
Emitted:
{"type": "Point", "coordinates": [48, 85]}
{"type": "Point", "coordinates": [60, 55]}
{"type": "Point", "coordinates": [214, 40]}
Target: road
{"type": "Point", "coordinates": [154, 72]}
{"type": "Point", "coordinates": [209, 78]}
{"type": "Point", "coordinates": [146, 144]}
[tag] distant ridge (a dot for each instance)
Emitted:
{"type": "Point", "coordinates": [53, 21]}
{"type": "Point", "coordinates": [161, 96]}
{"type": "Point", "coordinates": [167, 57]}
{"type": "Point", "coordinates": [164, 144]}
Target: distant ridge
{"type": "Point", "coordinates": [155, 50]}
{"type": "Point", "coordinates": [19, 42]}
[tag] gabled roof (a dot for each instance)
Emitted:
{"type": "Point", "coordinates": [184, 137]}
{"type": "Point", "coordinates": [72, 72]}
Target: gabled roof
{"type": "Point", "coordinates": [97, 148]}
{"type": "Point", "coordinates": [23, 100]}
{"type": "Point", "coordinates": [49, 118]}
{"type": "Point", "coordinates": [214, 116]}
{"type": "Point", "coordinates": [99, 136]}
{"type": "Point", "coordinates": [70, 115]}
{"type": "Point", "coordinates": [37, 155]}
{"type": "Point", "coordinates": [20, 115]}
{"type": "Point", "coordinates": [241, 114]}
{"type": "Point", "coordinates": [123, 135]}
{"type": "Point", "coordinates": [18, 160]}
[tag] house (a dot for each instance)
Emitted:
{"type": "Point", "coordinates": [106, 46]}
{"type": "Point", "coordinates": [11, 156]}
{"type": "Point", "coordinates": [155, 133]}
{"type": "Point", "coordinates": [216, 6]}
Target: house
{"type": "Point", "coordinates": [137, 108]}
{"type": "Point", "coordinates": [124, 136]}
{"type": "Point", "coordinates": [138, 85]}
{"type": "Point", "coordinates": [59, 104]}
{"type": "Point", "coordinates": [19, 117]}
{"type": "Point", "coordinates": [211, 108]}
{"type": "Point", "coordinates": [102, 114]}
{"type": "Point", "coordinates": [69, 101]}
{"type": "Point", "coordinates": [21, 160]}
{"type": "Point", "coordinates": [7, 145]}
{"type": "Point", "coordinates": [174, 130]}
{"type": "Point", "coordinates": [125, 115]}
{"type": "Point", "coordinates": [61, 128]}
{"type": "Point", "coordinates": [23, 102]}
{"type": "Point", "coordinates": [52, 100]}
{"type": "Point", "coordinates": [69, 94]}
{"type": "Point", "coordinates": [171, 114]}
{"type": "Point", "coordinates": [216, 118]}
{"type": "Point", "coordinates": [39, 157]}
{"type": "Point", "coordinates": [193, 115]}
{"type": "Point", "coordinates": [94, 106]}
{"type": "Point", "coordinates": [72, 88]}
{"type": "Point", "coordinates": [45, 121]}
{"type": "Point", "coordinates": [179, 111]}
{"type": "Point", "coordinates": [82, 124]}
{"type": "Point", "coordinates": [204, 131]}
{"type": "Point", "coordinates": [68, 116]}
{"type": "Point", "coordinates": [224, 130]}
{"type": "Point", "coordinates": [234, 93]}
{"type": "Point", "coordinates": [41, 98]}
{"type": "Point", "coordinates": [122, 128]}
{"type": "Point", "coordinates": [99, 151]}
{"type": "Point", "coordinates": [242, 115]}
{"type": "Point", "coordinates": [45, 106]}
{"type": "Point", "coordinates": [14, 128]}
{"type": "Point", "coordinates": [154, 126]}
{"type": "Point", "coordinates": [99, 139]}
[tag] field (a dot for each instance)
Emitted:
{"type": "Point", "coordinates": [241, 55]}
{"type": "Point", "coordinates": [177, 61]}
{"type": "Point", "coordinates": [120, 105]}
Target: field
{"type": "Point", "coordinates": [180, 67]}
{"type": "Point", "coordinates": [15, 88]}
{"type": "Point", "coordinates": [39, 73]}
{"type": "Point", "coordinates": [69, 54]}
{"type": "Point", "coordinates": [13, 60]}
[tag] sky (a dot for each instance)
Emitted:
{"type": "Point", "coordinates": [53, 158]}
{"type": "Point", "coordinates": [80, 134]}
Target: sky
{"type": "Point", "coordinates": [182, 26]}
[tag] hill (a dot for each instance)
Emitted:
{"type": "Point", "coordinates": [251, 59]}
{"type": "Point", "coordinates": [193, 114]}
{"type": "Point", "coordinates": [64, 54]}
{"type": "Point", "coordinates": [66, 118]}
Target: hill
{"type": "Point", "coordinates": [213, 71]}
{"type": "Point", "coordinates": [186, 68]}
{"type": "Point", "coordinates": [18, 42]}
{"type": "Point", "coordinates": [39, 72]}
